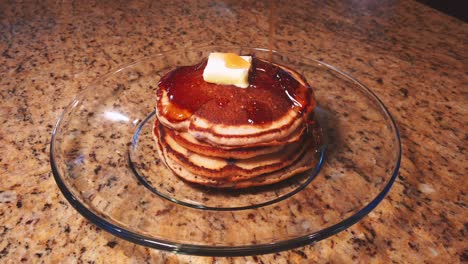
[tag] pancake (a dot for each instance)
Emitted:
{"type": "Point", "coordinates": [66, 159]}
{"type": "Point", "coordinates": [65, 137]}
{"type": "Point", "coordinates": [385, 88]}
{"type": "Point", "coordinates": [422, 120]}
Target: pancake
{"type": "Point", "coordinates": [226, 169]}
{"type": "Point", "coordinates": [186, 140]}
{"type": "Point", "coordinates": [230, 137]}
{"type": "Point", "coordinates": [270, 110]}
{"type": "Point", "coordinates": [305, 161]}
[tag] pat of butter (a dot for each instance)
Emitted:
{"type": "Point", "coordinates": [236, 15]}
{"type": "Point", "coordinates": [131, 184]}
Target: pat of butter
{"type": "Point", "coordinates": [228, 68]}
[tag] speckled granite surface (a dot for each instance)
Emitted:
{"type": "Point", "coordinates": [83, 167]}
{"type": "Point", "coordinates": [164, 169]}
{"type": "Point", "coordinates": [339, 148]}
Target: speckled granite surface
{"type": "Point", "coordinates": [414, 59]}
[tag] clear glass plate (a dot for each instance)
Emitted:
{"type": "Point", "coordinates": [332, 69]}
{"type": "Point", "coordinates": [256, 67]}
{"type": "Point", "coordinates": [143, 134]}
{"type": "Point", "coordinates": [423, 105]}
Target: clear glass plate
{"type": "Point", "coordinates": [104, 161]}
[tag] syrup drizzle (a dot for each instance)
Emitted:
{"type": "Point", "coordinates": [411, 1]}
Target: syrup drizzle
{"type": "Point", "coordinates": [271, 93]}
{"type": "Point", "coordinates": [271, 35]}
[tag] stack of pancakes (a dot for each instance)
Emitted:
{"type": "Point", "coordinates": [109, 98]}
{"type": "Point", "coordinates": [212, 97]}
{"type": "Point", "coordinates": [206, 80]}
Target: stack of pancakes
{"type": "Point", "coordinates": [225, 136]}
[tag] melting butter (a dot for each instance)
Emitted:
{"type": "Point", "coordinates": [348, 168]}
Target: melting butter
{"type": "Point", "coordinates": [228, 69]}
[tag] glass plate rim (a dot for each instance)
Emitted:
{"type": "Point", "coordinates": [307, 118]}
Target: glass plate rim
{"type": "Point", "coordinates": [203, 250]}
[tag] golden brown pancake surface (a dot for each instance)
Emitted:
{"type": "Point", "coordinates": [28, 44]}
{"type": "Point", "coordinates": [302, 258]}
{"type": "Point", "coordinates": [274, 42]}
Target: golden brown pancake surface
{"type": "Point", "coordinates": [187, 141]}
{"type": "Point", "coordinates": [225, 168]}
{"type": "Point", "coordinates": [304, 160]}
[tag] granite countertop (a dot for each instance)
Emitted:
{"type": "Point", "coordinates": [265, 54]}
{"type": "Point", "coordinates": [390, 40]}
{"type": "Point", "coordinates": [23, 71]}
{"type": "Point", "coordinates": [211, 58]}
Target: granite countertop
{"type": "Point", "coordinates": [413, 57]}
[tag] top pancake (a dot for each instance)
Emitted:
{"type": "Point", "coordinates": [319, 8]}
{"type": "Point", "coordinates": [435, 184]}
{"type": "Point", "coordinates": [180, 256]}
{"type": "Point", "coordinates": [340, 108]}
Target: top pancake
{"type": "Point", "coordinates": [273, 107]}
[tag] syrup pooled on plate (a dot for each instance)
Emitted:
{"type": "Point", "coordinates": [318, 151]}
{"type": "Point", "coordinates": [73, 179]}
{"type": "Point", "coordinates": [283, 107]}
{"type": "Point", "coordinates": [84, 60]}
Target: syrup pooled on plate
{"type": "Point", "coordinates": [272, 92]}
